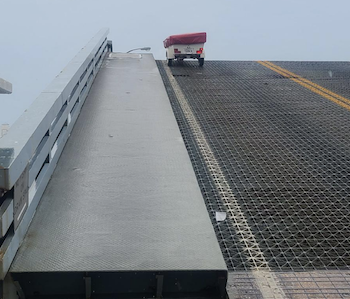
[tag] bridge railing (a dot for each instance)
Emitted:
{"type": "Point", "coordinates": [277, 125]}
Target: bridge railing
{"type": "Point", "coordinates": [32, 147]}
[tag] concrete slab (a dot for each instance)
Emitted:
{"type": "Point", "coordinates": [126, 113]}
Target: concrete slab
{"type": "Point", "coordinates": [124, 196]}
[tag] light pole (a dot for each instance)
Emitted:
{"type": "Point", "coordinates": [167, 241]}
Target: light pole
{"type": "Point", "coordinates": [142, 49]}
{"type": "Point", "coordinates": [5, 87]}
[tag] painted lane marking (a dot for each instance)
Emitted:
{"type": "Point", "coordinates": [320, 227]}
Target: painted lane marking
{"type": "Point", "coordinates": [338, 99]}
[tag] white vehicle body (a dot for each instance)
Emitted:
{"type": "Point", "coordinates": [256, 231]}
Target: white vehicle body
{"type": "Point", "coordinates": [182, 51]}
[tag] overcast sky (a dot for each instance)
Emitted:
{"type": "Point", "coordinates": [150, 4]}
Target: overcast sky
{"type": "Point", "coordinates": [38, 38]}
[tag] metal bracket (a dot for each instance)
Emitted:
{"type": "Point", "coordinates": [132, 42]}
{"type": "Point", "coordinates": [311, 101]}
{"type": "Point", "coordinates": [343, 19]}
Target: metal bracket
{"type": "Point", "coordinates": [159, 291]}
{"type": "Point", "coordinates": [109, 46]}
{"type": "Point", "coordinates": [19, 290]}
{"type": "Point", "coordinates": [87, 287]}
{"type": "Point", "coordinates": [222, 287]}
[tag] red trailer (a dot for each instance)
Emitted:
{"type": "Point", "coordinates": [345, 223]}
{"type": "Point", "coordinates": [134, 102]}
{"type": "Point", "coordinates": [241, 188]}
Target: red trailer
{"type": "Point", "coordinates": [189, 45]}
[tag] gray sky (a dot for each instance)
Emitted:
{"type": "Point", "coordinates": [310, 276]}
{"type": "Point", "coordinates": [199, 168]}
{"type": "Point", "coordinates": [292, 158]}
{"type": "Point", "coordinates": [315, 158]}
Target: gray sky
{"type": "Point", "coordinates": [39, 37]}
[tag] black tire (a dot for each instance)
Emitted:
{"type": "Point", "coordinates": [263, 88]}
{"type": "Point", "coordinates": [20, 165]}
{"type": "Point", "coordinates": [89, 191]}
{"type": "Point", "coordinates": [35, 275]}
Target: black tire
{"type": "Point", "coordinates": [201, 61]}
{"type": "Point", "coordinates": [170, 62]}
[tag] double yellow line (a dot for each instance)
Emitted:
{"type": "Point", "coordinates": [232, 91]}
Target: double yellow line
{"type": "Point", "coordinates": [324, 92]}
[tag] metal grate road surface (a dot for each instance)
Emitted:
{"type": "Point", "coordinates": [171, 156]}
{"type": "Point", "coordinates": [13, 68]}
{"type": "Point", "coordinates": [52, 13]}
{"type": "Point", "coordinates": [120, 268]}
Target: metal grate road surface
{"type": "Point", "coordinates": [283, 150]}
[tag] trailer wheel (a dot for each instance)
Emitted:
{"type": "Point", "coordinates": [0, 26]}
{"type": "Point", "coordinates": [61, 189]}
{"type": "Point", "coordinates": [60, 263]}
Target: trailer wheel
{"type": "Point", "coordinates": [201, 61]}
{"type": "Point", "coordinates": [170, 62]}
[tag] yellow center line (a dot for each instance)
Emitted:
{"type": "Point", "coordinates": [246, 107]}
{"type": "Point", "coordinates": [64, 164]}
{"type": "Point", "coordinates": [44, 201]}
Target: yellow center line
{"type": "Point", "coordinates": [335, 98]}
{"type": "Point", "coordinates": [339, 97]}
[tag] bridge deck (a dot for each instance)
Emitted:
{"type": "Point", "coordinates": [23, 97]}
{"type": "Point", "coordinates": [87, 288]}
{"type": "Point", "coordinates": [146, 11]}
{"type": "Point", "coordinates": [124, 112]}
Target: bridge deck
{"type": "Point", "coordinates": [270, 144]}
{"type": "Point", "coordinates": [124, 196]}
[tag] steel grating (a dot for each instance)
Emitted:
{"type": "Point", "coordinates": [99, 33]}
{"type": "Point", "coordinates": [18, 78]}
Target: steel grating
{"type": "Point", "coordinates": [285, 153]}
{"type": "Point", "coordinates": [295, 285]}
{"type": "Point", "coordinates": [332, 75]}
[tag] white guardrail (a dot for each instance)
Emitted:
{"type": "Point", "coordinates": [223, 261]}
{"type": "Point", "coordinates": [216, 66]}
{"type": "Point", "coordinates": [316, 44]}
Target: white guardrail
{"type": "Point", "coordinates": [30, 150]}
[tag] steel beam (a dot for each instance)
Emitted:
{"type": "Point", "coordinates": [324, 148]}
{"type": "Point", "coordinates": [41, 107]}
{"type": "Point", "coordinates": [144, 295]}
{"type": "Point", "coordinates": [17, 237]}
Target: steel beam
{"type": "Point", "coordinates": [5, 86]}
